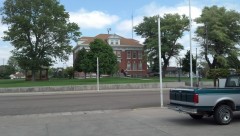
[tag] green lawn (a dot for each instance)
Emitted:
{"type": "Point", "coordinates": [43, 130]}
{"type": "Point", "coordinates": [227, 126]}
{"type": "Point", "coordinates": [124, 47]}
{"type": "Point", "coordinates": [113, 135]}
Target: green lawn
{"type": "Point", "coordinates": [63, 82]}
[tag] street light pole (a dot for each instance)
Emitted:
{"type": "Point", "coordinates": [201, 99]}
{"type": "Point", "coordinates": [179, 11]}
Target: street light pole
{"type": "Point", "coordinates": [160, 61]}
{"type": "Point", "coordinates": [97, 75]}
{"type": "Point", "coordinates": [190, 38]}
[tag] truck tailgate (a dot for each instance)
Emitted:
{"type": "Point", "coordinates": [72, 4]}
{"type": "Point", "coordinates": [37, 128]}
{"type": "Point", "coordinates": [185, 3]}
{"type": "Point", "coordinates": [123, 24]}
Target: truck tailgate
{"type": "Point", "coordinates": [182, 95]}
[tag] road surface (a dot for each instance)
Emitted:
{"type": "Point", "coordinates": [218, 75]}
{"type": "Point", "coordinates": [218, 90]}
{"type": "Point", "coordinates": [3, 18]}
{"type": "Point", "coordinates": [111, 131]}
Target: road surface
{"type": "Point", "coordinates": [54, 103]}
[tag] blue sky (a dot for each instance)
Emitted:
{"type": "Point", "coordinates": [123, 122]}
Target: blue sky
{"type": "Point", "coordinates": [95, 16]}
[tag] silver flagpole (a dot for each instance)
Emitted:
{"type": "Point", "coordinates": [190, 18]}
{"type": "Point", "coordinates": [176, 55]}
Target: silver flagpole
{"type": "Point", "coordinates": [160, 61]}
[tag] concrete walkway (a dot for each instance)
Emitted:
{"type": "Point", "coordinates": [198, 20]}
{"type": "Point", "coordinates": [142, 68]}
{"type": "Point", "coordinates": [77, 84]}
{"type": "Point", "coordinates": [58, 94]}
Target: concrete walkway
{"type": "Point", "coordinates": [138, 122]}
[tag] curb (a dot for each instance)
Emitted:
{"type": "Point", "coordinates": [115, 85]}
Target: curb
{"type": "Point", "coordinates": [81, 92]}
{"type": "Point", "coordinates": [91, 87]}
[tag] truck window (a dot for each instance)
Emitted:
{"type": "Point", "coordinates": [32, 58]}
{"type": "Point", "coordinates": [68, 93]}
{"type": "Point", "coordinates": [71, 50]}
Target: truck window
{"type": "Point", "coordinates": [233, 81]}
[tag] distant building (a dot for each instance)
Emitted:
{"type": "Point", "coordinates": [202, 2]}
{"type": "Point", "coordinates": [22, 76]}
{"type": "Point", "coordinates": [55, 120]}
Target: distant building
{"type": "Point", "coordinates": [40, 74]}
{"type": "Point", "coordinates": [172, 72]}
{"type": "Point", "coordinates": [17, 75]}
{"type": "Point", "coordinates": [129, 52]}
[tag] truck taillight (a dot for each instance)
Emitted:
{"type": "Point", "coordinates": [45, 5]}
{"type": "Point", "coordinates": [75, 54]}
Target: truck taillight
{"type": "Point", "coordinates": [195, 98]}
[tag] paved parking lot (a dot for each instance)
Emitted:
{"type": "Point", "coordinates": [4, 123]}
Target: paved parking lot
{"type": "Point", "coordinates": [138, 122]}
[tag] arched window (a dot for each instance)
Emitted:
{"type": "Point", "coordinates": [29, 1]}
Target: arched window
{"type": "Point", "coordinates": [128, 65]}
{"type": "Point", "coordinates": [140, 65]}
{"type": "Point", "coordinates": [134, 65]}
{"type": "Point", "coordinates": [129, 55]}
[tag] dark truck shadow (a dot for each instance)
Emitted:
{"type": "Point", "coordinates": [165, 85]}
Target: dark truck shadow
{"type": "Point", "coordinates": [188, 121]}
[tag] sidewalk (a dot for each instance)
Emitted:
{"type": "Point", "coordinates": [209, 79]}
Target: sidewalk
{"type": "Point", "coordinates": [138, 122]}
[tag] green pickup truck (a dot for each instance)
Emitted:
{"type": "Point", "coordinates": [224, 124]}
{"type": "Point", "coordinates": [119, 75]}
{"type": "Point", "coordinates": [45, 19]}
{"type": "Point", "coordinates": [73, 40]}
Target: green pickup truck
{"type": "Point", "coordinates": [200, 102]}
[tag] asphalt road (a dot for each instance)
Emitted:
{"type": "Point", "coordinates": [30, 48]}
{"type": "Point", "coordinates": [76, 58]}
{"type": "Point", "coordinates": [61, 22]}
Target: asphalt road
{"type": "Point", "coordinates": [54, 103]}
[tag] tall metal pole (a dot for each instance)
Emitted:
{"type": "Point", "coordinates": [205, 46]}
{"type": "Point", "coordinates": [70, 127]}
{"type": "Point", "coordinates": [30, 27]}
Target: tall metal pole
{"type": "Point", "coordinates": [160, 61]}
{"type": "Point", "coordinates": [132, 24]}
{"type": "Point", "coordinates": [190, 38]}
{"type": "Point", "coordinates": [197, 69]}
{"type": "Point", "coordinates": [97, 75]}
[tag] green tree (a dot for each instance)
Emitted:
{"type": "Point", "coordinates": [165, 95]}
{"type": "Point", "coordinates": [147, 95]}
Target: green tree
{"type": "Point", "coordinates": [12, 61]}
{"type": "Point", "coordinates": [218, 35]}
{"type": "Point", "coordinates": [217, 73]}
{"type": "Point", "coordinates": [69, 72]}
{"type": "Point", "coordinates": [81, 62]}
{"type": "Point", "coordinates": [6, 71]}
{"type": "Point", "coordinates": [186, 63]}
{"type": "Point", "coordinates": [39, 30]}
{"type": "Point", "coordinates": [104, 52]}
{"type": "Point", "coordinates": [233, 61]}
{"type": "Point", "coordinates": [204, 68]}
{"type": "Point", "coordinates": [173, 27]}
{"type": "Point", "coordinates": [51, 72]}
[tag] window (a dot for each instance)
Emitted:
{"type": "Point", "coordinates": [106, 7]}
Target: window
{"type": "Point", "coordinates": [233, 81]}
{"type": "Point", "coordinates": [128, 65]}
{"type": "Point", "coordinates": [129, 55]}
{"type": "Point", "coordinates": [134, 54]}
{"type": "Point", "coordinates": [140, 65]}
{"type": "Point", "coordinates": [134, 65]}
{"type": "Point", "coordinates": [140, 55]}
{"type": "Point", "coordinates": [118, 54]}
{"type": "Point", "coordinates": [119, 60]}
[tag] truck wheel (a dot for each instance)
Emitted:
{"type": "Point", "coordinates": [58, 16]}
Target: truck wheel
{"type": "Point", "coordinates": [223, 115]}
{"type": "Point", "coordinates": [194, 116]}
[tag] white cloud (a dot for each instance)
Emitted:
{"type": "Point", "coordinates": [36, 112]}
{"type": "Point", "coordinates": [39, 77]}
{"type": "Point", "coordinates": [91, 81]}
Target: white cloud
{"type": "Point", "coordinates": [92, 19]}
{"type": "Point", "coordinates": [125, 27]}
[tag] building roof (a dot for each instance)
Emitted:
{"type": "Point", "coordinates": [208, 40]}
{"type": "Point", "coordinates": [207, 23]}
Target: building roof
{"type": "Point", "coordinates": [104, 37]}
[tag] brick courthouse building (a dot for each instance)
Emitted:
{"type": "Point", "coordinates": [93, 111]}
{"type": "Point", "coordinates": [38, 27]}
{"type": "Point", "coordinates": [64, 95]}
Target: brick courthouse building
{"type": "Point", "coordinates": [129, 52]}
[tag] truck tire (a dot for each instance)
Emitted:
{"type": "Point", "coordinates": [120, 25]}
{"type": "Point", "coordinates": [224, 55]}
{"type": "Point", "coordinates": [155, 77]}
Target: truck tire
{"type": "Point", "coordinates": [194, 116]}
{"type": "Point", "coordinates": [223, 114]}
